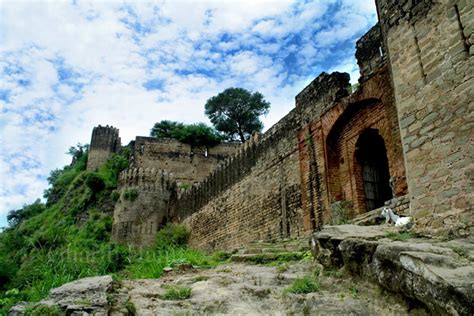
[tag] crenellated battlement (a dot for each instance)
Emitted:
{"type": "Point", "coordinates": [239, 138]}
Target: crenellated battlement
{"type": "Point", "coordinates": [281, 184]}
{"type": "Point", "coordinates": [146, 179]}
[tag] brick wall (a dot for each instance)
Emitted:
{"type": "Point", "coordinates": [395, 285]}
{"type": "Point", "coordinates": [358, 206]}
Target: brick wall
{"type": "Point", "coordinates": [329, 169]}
{"type": "Point", "coordinates": [430, 50]}
{"type": "Point", "coordinates": [257, 194]}
{"type": "Point", "coordinates": [105, 141]}
{"type": "Point", "coordinates": [137, 218]}
{"type": "Point", "coordinates": [188, 165]}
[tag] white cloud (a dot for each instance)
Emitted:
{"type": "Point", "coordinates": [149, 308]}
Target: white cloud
{"type": "Point", "coordinates": [67, 67]}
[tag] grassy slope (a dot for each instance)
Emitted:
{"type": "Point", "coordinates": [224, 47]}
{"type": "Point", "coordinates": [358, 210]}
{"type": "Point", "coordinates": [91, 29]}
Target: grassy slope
{"type": "Point", "coordinates": [49, 248]}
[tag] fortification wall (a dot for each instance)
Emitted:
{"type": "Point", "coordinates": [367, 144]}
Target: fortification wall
{"type": "Point", "coordinates": [188, 165]}
{"type": "Point", "coordinates": [330, 170]}
{"type": "Point", "coordinates": [105, 141]}
{"type": "Point", "coordinates": [257, 194]}
{"type": "Point", "coordinates": [430, 50]}
{"type": "Point", "coordinates": [145, 197]}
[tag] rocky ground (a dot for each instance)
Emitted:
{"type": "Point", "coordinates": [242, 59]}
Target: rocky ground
{"type": "Point", "coordinates": [246, 289]}
{"type": "Point", "coordinates": [371, 270]}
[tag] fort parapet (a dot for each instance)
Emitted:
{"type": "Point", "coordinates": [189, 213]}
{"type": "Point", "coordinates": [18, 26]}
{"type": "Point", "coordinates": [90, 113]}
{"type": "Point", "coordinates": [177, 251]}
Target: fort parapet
{"type": "Point", "coordinates": [105, 141]}
{"type": "Point", "coordinates": [402, 139]}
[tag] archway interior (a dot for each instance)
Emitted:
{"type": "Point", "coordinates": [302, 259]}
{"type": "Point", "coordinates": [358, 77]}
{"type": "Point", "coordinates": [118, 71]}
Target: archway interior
{"type": "Point", "coordinates": [372, 157]}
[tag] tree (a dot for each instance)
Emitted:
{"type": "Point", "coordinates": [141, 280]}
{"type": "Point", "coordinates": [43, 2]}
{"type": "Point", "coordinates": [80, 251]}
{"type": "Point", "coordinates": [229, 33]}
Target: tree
{"type": "Point", "coordinates": [15, 217]}
{"type": "Point", "coordinates": [165, 128]}
{"type": "Point", "coordinates": [196, 135]}
{"type": "Point", "coordinates": [235, 112]}
{"type": "Point", "coordinates": [78, 151]}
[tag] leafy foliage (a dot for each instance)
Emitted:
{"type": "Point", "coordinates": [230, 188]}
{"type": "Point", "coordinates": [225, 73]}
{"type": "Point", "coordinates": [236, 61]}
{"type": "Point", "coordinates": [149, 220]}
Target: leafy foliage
{"type": "Point", "coordinates": [95, 182]}
{"type": "Point", "coordinates": [196, 135]}
{"type": "Point", "coordinates": [15, 217]}
{"type": "Point", "coordinates": [172, 235]}
{"type": "Point", "coordinates": [304, 285]}
{"type": "Point", "coordinates": [78, 151]}
{"type": "Point", "coordinates": [176, 293]}
{"type": "Point", "coordinates": [131, 195]}
{"type": "Point", "coordinates": [235, 112]}
{"type": "Point", "coordinates": [44, 247]}
{"type": "Point", "coordinates": [165, 129]}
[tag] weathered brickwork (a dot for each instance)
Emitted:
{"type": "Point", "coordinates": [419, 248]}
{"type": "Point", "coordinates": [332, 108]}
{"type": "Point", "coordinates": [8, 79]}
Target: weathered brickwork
{"type": "Point", "coordinates": [159, 170]}
{"type": "Point", "coordinates": [403, 139]}
{"type": "Point", "coordinates": [105, 141]}
{"type": "Point", "coordinates": [370, 52]}
{"type": "Point", "coordinates": [188, 165]}
{"type": "Point", "coordinates": [257, 194]}
{"type": "Point", "coordinates": [259, 199]}
{"type": "Point", "coordinates": [145, 195]}
{"type": "Point", "coordinates": [331, 170]}
{"type": "Point", "coordinates": [430, 50]}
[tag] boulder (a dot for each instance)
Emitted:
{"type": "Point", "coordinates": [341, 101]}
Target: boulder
{"type": "Point", "coordinates": [87, 296]}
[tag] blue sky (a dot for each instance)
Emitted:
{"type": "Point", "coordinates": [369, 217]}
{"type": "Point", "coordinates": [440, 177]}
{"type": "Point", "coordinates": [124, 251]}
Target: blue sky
{"type": "Point", "coordinates": [66, 66]}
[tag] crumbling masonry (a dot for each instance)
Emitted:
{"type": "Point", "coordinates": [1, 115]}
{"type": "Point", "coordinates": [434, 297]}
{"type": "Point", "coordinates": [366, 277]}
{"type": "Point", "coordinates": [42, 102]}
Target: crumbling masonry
{"type": "Point", "coordinates": [404, 138]}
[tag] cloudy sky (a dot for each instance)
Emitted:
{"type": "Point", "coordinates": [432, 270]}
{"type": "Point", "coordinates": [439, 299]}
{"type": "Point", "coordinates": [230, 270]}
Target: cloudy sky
{"type": "Point", "coordinates": [66, 66]}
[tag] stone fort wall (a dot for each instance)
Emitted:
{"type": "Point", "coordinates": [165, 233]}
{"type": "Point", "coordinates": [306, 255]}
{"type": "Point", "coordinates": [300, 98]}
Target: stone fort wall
{"type": "Point", "coordinates": [188, 165]}
{"type": "Point", "coordinates": [429, 44]}
{"type": "Point", "coordinates": [257, 193]}
{"type": "Point", "coordinates": [159, 170]}
{"type": "Point", "coordinates": [105, 141]}
{"type": "Point", "coordinates": [415, 95]}
{"type": "Point", "coordinates": [142, 208]}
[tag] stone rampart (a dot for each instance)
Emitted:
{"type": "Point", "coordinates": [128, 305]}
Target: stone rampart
{"type": "Point", "coordinates": [188, 165]}
{"type": "Point", "coordinates": [370, 52]}
{"type": "Point", "coordinates": [142, 208]}
{"type": "Point", "coordinates": [429, 44]}
{"type": "Point", "coordinates": [105, 141]}
{"type": "Point", "coordinates": [257, 193]}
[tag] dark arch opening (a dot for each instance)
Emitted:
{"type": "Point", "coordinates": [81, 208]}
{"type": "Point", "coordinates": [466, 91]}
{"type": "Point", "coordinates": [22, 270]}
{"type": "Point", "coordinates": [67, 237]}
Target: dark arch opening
{"type": "Point", "coordinates": [371, 154]}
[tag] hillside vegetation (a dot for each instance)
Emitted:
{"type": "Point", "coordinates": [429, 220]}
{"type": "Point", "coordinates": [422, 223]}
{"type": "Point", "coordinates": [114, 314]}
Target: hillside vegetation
{"type": "Point", "coordinates": [68, 237]}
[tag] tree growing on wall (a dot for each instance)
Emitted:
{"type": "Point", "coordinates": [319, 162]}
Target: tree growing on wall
{"type": "Point", "coordinates": [196, 135]}
{"type": "Point", "coordinates": [235, 112]}
{"type": "Point", "coordinates": [165, 129]}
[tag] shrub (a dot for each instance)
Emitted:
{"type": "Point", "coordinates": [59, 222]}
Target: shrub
{"type": "Point", "coordinates": [131, 194]}
{"type": "Point", "coordinates": [401, 236]}
{"type": "Point", "coordinates": [95, 182]}
{"type": "Point", "coordinates": [176, 293]}
{"type": "Point", "coordinates": [131, 309]}
{"type": "Point", "coordinates": [172, 235]}
{"type": "Point", "coordinates": [115, 196]}
{"type": "Point", "coordinates": [46, 310]}
{"type": "Point", "coordinates": [304, 285]}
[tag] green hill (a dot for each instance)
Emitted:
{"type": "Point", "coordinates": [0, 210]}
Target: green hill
{"type": "Point", "coordinates": [68, 237]}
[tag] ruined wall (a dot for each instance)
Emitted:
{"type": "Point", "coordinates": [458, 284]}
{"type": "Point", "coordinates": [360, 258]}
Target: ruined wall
{"type": "Point", "coordinates": [188, 165]}
{"type": "Point", "coordinates": [430, 50]}
{"type": "Point", "coordinates": [370, 53]}
{"type": "Point", "coordinates": [329, 168]}
{"type": "Point", "coordinates": [257, 194]}
{"type": "Point", "coordinates": [142, 208]}
{"type": "Point", "coordinates": [159, 169]}
{"type": "Point", "coordinates": [105, 141]}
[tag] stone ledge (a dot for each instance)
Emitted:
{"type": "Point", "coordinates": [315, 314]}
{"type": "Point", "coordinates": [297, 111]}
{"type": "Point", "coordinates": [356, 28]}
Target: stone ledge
{"type": "Point", "coordinates": [438, 274]}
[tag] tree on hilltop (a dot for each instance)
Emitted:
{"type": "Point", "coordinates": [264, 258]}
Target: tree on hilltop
{"type": "Point", "coordinates": [235, 112]}
{"type": "Point", "coordinates": [196, 135]}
